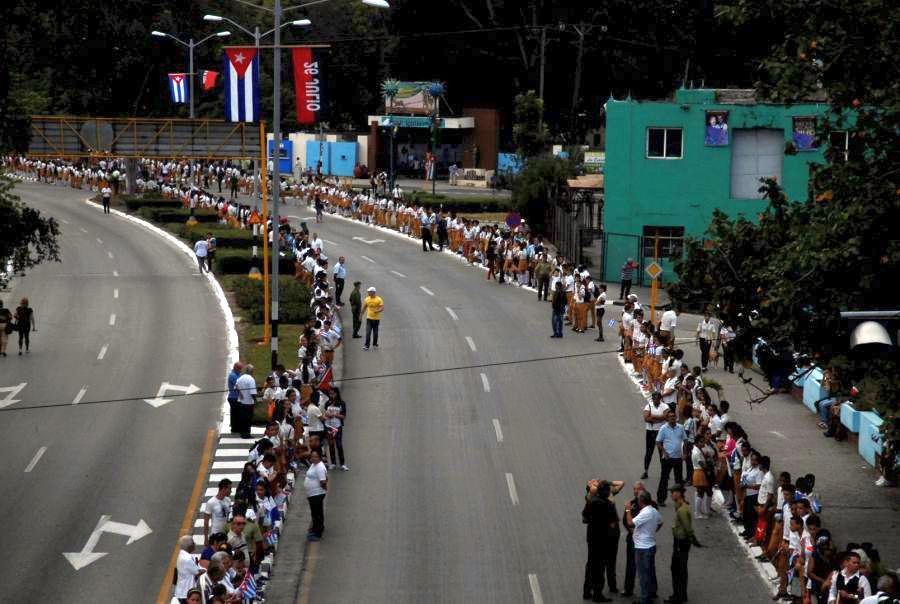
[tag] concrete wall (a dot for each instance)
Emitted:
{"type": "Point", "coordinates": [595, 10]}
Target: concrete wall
{"type": "Point", "coordinates": [684, 192]}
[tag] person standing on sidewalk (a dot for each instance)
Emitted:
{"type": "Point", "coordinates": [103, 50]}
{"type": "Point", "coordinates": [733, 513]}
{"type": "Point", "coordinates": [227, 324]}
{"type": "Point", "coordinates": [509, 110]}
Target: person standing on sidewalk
{"type": "Point", "coordinates": [246, 388]}
{"type": "Point", "coordinates": [426, 220]}
{"type": "Point", "coordinates": [654, 419]}
{"type": "Point", "coordinates": [707, 332]}
{"type": "Point", "coordinates": [316, 485]}
{"type": "Point", "coordinates": [6, 327]}
{"type": "Point", "coordinates": [600, 517]}
{"type": "Point", "coordinates": [201, 249]}
{"type": "Point", "coordinates": [106, 196]}
{"type": "Point", "coordinates": [683, 538]}
{"type": "Point", "coordinates": [542, 275]}
{"type": "Point", "coordinates": [645, 525]}
{"type": "Point", "coordinates": [558, 305]}
{"type": "Point", "coordinates": [633, 508]}
{"type": "Point", "coordinates": [670, 442]}
{"type": "Point", "coordinates": [234, 396]}
{"type": "Point", "coordinates": [25, 324]}
{"type": "Point", "coordinates": [356, 309]}
{"type": "Point", "coordinates": [374, 306]}
{"type": "Point", "coordinates": [340, 273]}
{"type": "Point", "coordinates": [211, 245]}
{"type": "Point", "coordinates": [626, 275]}
{"type": "Point", "coordinates": [600, 310]}
{"type": "Point", "coordinates": [726, 337]}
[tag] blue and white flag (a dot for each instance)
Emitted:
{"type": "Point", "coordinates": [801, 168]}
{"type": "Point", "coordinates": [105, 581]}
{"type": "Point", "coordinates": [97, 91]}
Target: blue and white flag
{"type": "Point", "coordinates": [178, 87]}
{"type": "Point", "coordinates": [241, 83]}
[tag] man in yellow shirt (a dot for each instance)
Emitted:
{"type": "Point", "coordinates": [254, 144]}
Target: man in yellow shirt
{"type": "Point", "coordinates": [374, 306]}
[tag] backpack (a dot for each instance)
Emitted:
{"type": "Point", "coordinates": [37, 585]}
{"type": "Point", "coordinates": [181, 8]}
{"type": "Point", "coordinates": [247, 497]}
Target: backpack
{"type": "Point", "coordinates": [588, 294]}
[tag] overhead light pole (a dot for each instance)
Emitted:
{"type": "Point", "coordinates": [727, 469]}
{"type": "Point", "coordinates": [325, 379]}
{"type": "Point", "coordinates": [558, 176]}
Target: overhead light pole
{"type": "Point", "coordinates": [190, 45]}
{"type": "Point", "coordinates": [277, 12]}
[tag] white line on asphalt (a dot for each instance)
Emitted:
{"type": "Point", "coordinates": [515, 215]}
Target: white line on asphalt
{"type": "Point", "coordinates": [535, 589]}
{"type": "Point", "coordinates": [83, 230]}
{"type": "Point", "coordinates": [35, 459]}
{"type": "Point", "coordinates": [511, 483]}
{"type": "Point", "coordinates": [471, 343]}
{"type": "Point", "coordinates": [112, 319]}
{"type": "Point", "coordinates": [110, 254]}
{"type": "Point", "coordinates": [64, 221]}
{"type": "Point", "coordinates": [497, 430]}
{"type": "Point", "coordinates": [399, 274]}
{"type": "Point", "coordinates": [426, 290]}
{"type": "Point", "coordinates": [79, 396]}
{"type": "Point", "coordinates": [485, 383]}
{"type": "Point", "coordinates": [115, 273]}
{"type": "Point", "coordinates": [329, 242]}
{"type": "Point", "coordinates": [100, 241]}
{"type": "Point", "coordinates": [102, 353]}
{"type": "Point", "coordinates": [452, 314]}
{"type": "Point", "coordinates": [294, 217]}
{"type": "Point", "coordinates": [367, 259]}
{"type": "Point", "coordinates": [116, 293]}
{"type": "Point", "coordinates": [778, 434]}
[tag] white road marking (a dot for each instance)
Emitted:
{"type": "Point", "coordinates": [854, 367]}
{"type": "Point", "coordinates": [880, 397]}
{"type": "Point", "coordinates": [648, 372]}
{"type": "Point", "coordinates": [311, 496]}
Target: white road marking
{"type": "Point", "coordinates": [164, 388]}
{"type": "Point", "coordinates": [64, 221]}
{"type": "Point", "coordinates": [399, 274]}
{"type": "Point", "coordinates": [471, 343]}
{"type": "Point", "coordinates": [11, 391]}
{"type": "Point", "coordinates": [220, 453]}
{"type": "Point", "coordinates": [778, 434]}
{"type": "Point", "coordinates": [35, 459]}
{"type": "Point", "coordinates": [452, 314]}
{"type": "Point", "coordinates": [110, 254]}
{"type": "Point", "coordinates": [116, 293]}
{"type": "Point", "coordinates": [115, 273]}
{"type": "Point", "coordinates": [367, 259]}
{"type": "Point", "coordinates": [294, 217]}
{"type": "Point", "coordinates": [497, 430]}
{"type": "Point", "coordinates": [535, 589]}
{"type": "Point", "coordinates": [329, 242]}
{"type": "Point", "coordinates": [100, 241]}
{"type": "Point", "coordinates": [426, 290]}
{"type": "Point", "coordinates": [112, 319]}
{"type": "Point", "coordinates": [79, 396]}
{"type": "Point", "coordinates": [511, 483]}
{"type": "Point", "coordinates": [485, 383]}
{"type": "Point", "coordinates": [83, 230]}
{"type": "Point", "coordinates": [102, 353]}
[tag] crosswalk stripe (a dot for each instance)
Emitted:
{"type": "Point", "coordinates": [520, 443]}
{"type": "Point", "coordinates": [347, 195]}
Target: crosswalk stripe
{"type": "Point", "coordinates": [230, 453]}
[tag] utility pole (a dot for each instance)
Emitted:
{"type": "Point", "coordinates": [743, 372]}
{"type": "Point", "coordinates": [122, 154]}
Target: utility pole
{"type": "Point", "coordinates": [276, 178]}
{"type": "Point", "coordinates": [543, 62]}
{"type": "Point", "coordinates": [191, 74]}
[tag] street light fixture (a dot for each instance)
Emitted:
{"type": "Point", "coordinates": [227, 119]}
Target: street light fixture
{"type": "Point", "coordinates": [277, 12]}
{"type": "Point", "coordinates": [190, 45]}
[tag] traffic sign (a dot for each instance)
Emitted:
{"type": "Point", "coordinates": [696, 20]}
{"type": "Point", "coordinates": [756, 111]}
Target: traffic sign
{"type": "Point", "coordinates": [654, 270]}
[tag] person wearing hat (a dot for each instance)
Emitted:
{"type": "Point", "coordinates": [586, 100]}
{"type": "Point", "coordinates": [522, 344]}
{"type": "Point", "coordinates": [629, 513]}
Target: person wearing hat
{"type": "Point", "coordinates": [233, 376]}
{"type": "Point", "coordinates": [683, 538]}
{"type": "Point", "coordinates": [374, 306]}
{"type": "Point", "coordinates": [356, 308]}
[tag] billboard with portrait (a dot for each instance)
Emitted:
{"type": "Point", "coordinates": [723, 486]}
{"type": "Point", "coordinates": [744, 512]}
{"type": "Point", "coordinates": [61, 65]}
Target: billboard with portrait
{"type": "Point", "coordinates": [411, 97]}
{"type": "Point", "coordinates": [716, 128]}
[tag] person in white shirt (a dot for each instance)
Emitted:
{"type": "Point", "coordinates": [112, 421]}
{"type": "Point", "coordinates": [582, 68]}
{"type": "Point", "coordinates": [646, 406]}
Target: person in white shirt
{"type": "Point", "coordinates": [216, 511]}
{"type": "Point", "coordinates": [316, 486]}
{"type": "Point", "coordinates": [106, 195]}
{"type": "Point", "coordinates": [849, 585]}
{"type": "Point", "coordinates": [670, 389]}
{"type": "Point", "coordinates": [751, 479]}
{"type": "Point", "coordinates": [201, 250]}
{"type": "Point", "coordinates": [887, 588]}
{"type": "Point", "coordinates": [645, 525]}
{"type": "Point", "coordinates": [654, 417]}
{"type": "Point", "coordinates": [726, 337]}
{"type": "Point", "coordinates": [667, 325]}
{"type": "Point", "coordinates": [186, 567]}
{"type": "Point", "coordinates": [246, 389]}
{"type": "Point", "coordinates": [600, 310]}
{"type": "Point", "coordinates": [707, 331]}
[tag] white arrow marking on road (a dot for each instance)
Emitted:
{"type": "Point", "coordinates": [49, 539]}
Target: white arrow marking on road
{"type": "Point", "coordinates": [102, 352]}
{"type": "Point", "coordinates": [535, 589]}
{"type": "Point", "coordinates": [485, 383]}
{"type": "Point", "coordinates": [112, 319]}
{"type": "Point", "coordinates": [367, 259]}
{"type": "Point", "coordinates": [165, 387]}
{"type": "Point", "coordinates": [426, 290]}
{"type": "Point", "coordinates": [497, 430]}
{"type": "Point", "coordinates": [87, 555]}
{"type": "Point", "coordinates": [369, 241]}
{"type": "Point", "coordinates": [511, 483]}
{"type": "Point", "coordinates": [399, 274]}
{"type": "Point", "coordinates": [11, 391]}
{"type": "Point", "coordinates": [452, 314]}
{"type": "Point", "coordinates": [471, 343]}
{"type": "Point", "coordinates": [79, 396]}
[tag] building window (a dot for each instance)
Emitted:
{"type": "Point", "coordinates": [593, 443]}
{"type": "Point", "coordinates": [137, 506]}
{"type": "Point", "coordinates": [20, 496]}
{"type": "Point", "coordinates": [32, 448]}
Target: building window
{"type": "Point", "coordinates": [664, 143]}
{"type": "Point", "coordinates": [671, 242]}
{"type": "Point", "coordinates": [755, 154]}
{"type": "Point", "coordinates": [839, 141]}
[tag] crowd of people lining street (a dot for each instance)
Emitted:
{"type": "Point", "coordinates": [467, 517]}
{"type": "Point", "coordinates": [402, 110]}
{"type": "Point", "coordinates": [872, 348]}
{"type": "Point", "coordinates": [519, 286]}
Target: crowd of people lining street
{"type": "Point", "coordinates": [710, 455]}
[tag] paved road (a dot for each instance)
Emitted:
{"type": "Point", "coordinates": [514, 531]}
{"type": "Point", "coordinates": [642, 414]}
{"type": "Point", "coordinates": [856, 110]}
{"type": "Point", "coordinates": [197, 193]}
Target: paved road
{"type": "Point", "coordinates": [435, 509]}
{"type": "Point", "coordinates": [127, 460]}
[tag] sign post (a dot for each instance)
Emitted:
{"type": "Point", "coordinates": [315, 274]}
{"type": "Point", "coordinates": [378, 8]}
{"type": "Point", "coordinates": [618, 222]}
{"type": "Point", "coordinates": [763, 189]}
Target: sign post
{"type": "Point", "coordinates": [264, 189]}
{"type": "Point", "coordinates": [654, 270]}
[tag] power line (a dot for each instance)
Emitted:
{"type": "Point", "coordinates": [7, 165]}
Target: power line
{"type": "Point", "coordinates": [56, 405]}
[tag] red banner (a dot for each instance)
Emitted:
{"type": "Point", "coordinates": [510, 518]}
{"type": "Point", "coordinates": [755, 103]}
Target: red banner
{"type": "Point", "coordinates": [308, 84]}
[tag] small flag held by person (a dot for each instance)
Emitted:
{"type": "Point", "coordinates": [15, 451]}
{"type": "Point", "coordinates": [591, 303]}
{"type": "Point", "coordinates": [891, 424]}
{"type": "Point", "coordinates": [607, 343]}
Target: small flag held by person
{"type": "Point", "coordinates": [612, 323]}
{"type": "Point", "coordinates": [271, 538]}
{"type": "Point", "coordinates": [178, 87]}
{"type": "Point", "coordinates": [208, 78]}
{"type": "Point", "coordinates": [248, 586]}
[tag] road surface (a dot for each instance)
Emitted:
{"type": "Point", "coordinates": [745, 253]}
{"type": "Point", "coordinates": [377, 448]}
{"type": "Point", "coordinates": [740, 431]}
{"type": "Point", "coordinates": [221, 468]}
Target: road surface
{"type": "Point", "coordinates": [121, 314]}
{"type": "Point", "coordinates": [467, 485]}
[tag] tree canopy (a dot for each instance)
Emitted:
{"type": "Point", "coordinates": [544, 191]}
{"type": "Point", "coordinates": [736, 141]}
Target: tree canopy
{"type": "Point", "coordinates": [26, 237]}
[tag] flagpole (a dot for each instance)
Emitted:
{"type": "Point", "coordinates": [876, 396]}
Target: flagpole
{"type": "Point", "coordinates": [191, 74]}
{"type": "Point", "coordinates": [276, 176]}
{"type": "Point", "coordinates": [265, 211]}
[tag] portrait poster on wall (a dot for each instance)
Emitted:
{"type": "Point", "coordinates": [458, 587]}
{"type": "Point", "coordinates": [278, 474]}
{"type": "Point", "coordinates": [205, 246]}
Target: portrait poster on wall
{"type": "Point", "coordinates": [717, 128]}
{"type": "Point", "coordinates": [804, 133]}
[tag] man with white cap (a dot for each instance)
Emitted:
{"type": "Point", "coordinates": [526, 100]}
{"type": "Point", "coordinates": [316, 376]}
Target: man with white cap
{"type": "Point", "coordinates": [373, 305]}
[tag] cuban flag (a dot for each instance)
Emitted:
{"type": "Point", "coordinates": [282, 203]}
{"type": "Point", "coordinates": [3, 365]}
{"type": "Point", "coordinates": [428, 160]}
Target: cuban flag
{"type": "Point", "coordinates": [248, 586]}
{"type": "Point", "coordinates": [178, 87]}
{"type": "Point", "coordinates": [241, 82]}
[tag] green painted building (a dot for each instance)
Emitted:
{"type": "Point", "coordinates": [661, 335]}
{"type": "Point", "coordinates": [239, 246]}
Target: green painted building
{"type": "Point", "coordinates": [669, 164]}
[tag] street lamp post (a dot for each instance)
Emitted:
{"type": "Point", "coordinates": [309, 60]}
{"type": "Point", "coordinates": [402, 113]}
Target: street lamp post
{"type": "Point", "coordinates": [191, 45]}
{"type": "Point", "coordinates": [277, 12]}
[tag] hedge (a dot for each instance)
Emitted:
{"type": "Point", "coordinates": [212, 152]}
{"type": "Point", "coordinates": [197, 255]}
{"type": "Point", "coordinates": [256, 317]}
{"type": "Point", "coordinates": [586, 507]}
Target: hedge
{"type": "Point", "coordinates": [474, 203]}
{"type": "Point", "coordinates": [134, 203]}
{"type": "Point", "coordinates": [293, 304]}
{"type": "Point", "coordinates": [166, 215]}
{"type": "Point", "coordinates": [239, 262]}
{"type": "Point", "coordinates": [226, 237]}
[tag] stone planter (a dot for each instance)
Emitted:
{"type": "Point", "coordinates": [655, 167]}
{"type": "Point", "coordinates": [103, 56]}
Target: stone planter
{"type": "Point", "coordinates": [813, 389]}
{"type": "Point", "coordinates": [850, 417]}
{"type": "Point", "coordinates": [869, 436]}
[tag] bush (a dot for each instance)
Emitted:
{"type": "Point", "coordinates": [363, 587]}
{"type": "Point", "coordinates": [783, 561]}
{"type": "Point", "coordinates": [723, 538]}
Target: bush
{"type": "Point", "coordinates": [294, 298]}
{"type": "Point", "coordinates": [135, 202]}
{"type": "Point", "coordinates": [226, 237]}
{"type": "Point", "coordinates": [239, 262]}
{"type": "Point", "coordinates": [167, 215]}
{"type": "Point", "coordinates": [474, 203]}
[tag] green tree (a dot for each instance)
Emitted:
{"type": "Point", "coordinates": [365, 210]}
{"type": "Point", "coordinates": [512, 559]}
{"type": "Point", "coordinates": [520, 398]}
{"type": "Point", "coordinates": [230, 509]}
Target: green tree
{"type": "Point", "coordinates": [539, 186]}
{"type": "Point", "coordinates": [26, 237]}
{"type": "Point", "coordinates": [807, 260]}
{"type": "Point", "coordinates": [529, 131]}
